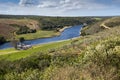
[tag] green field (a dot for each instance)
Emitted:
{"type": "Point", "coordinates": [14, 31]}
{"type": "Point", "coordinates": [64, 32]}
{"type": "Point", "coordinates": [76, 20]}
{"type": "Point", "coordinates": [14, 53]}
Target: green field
{"type": "Point", "coordinates": [12, 54]}
{"type": "Point", "coordinates": [38, 34]}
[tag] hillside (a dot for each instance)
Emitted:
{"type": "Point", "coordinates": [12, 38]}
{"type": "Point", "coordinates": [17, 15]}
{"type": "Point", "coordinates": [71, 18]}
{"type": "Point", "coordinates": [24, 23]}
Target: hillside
{"type": "Point", "coordinates": [32, 24]}
{"type": "Point", "coordinates": [90, 57]}
{"type": "Point", "coordinates": [8, 27]}
{"type": "Point", "coordinates": [100, 26]}
{"type": "Point", "coordinates": [6, 30]}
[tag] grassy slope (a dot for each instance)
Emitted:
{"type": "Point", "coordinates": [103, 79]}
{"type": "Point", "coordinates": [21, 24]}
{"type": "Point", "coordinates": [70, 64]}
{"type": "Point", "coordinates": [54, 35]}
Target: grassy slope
{"type": "Point", "coordinates": [7, 30]}
{"type": "Point", "coordinates": [12, 54]}
{"type": "Point", "coordinates": [39, 34]}
{"type": "Point", "coordinates": [100, 26]}
{"type": "Point", "coordinates": [32, 24]}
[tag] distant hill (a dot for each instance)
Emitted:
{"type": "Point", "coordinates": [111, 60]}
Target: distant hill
{"type": "Point", "coordinates": [101, 25]}
{"type": "Point", "coordinates": [9, 26]}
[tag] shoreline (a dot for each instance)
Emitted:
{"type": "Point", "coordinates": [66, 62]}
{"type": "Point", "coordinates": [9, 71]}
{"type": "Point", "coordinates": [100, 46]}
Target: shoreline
{"type": "Point", "coordinates": [49, 42]}
{"type": "Point", "coordinates": [65, 27]}
{"type": "Point", "coordinates": [55, 35]}
{"type": "Point", "coordinates": [61, 30]}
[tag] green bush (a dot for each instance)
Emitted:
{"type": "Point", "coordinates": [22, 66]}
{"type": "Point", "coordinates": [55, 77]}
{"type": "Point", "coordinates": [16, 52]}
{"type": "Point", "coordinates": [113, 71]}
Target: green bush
{"type": "Point", "coordinates": [2, 40]}
{"type": "Point", "coordinates": [25, 30]}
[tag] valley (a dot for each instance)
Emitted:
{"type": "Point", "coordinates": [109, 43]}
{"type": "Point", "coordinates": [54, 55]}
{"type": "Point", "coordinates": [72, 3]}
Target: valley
{"type": "Point", "coordinates": [95, 55]}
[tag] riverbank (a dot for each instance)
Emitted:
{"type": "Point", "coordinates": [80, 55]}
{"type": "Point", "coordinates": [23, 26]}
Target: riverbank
{"type": "Point", "coordinates": [12, 54]}
{"type": "Point", "coordinates": [42, 34]}
{"type": "Point", "coordinates": [61, 30]}
{"type": "Point", "coordinates": [38, 35]}
{"type": "Point", "coordinates": [69, 33]}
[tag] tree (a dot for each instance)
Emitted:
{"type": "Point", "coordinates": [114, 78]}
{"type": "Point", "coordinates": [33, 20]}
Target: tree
{"type": "Point", "coordinates": [2, 40]}
{"type": "Point", "coordinates": [14, 43]}
{"type": "Point", "coordinates": [21, 39]}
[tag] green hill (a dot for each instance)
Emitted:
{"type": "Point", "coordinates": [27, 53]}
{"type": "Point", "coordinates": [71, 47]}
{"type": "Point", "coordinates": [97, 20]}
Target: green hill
{"type": "Point", "coordinates": [101, 25]}
{"type": "Point", "coordinates": [90, 57]}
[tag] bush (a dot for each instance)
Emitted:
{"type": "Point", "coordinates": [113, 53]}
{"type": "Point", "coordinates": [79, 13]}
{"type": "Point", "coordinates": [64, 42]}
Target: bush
{"type": "Point", "coordinates": [25, 30]}
{"type": "Point", "coordinates": [2, 40]}
{"type": "Point", "coordinates": [21, 39]}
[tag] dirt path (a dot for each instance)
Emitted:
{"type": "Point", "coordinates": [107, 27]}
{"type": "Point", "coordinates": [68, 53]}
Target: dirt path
{"type": "Point", "coordinates": [3, 53]}
{"type": "Point", "coordinates": [106, 27]}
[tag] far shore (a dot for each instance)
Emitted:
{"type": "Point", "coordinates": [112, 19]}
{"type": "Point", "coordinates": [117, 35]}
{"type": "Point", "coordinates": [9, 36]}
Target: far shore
{"type": "Point", "coordinates": [61, 30]}
{"type": "Point", "coordinates": [56, 34]}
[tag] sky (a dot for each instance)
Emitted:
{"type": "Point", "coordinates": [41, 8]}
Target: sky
{"type": "Point", "coordinates": [61, 7]}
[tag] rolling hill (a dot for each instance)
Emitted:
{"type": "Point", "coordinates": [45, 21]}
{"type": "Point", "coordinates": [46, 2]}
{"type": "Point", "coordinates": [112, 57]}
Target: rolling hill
{"type": "Point", "coordinates": [9, 26]}
{"type": "Point", "coordinates": [101, 25]}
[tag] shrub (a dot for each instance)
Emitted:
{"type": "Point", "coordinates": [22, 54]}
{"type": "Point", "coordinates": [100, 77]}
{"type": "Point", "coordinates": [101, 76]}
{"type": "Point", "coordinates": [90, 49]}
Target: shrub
{"type": "Point", "coordinates": [25, 30]}
{"type": "Point", "coordinates": [2, 40]}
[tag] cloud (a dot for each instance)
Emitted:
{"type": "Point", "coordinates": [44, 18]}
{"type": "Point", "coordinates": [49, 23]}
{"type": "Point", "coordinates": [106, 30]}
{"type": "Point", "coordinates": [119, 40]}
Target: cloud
{"type": "Point", "coordinates": [55, 7]}
{"type": "Point", "coordinates": [29, 2]}
{"type": "Point", "coordinates": [63, 4]}
{"type": "Point", "coordinates": [47, 4]}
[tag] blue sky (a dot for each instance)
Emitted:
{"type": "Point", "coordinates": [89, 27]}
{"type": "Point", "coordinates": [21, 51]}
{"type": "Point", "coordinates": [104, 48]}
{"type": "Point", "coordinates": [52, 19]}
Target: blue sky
{"type": "Point", "coordinates": [61, 7]}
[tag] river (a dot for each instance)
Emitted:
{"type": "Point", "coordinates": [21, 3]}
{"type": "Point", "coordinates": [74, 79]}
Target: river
{"type": "Point", "coordinates": [68, 33]}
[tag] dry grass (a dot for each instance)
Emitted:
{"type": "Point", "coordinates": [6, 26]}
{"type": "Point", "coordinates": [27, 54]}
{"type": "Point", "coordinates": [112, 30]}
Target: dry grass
{"type": "Point", "coordinates": [6, 30]}
{"type": "Point", "coordinates": [33, 24]}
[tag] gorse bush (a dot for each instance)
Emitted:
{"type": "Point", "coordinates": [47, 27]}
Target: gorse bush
{"type": "Point", "coordinates": [25, 30]}
{"type": "Point", "coordinates": [98, 61]}
{"type": "Point", "coordinates": [102, 61]}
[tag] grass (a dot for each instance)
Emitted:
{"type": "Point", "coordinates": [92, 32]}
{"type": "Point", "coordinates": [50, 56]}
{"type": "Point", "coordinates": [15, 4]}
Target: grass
{"type": "Point", "coordinates": [38, 34]}
{"type": "Point", "coordinates": [11, 55]}
{"type": "Point", "coordinates": [28, 22]}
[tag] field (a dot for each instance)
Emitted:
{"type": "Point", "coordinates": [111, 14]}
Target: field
{"type": "Point", "coordinates": [12, 54]}
{"type": "Point", "coordinates": [38, 34]}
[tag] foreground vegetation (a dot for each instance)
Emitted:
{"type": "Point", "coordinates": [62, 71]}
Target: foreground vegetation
{"type": "Point", "coordinates": [91, 57]}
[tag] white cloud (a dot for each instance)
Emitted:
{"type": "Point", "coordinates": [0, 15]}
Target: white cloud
{"type": "Point", "coordinates": [29, 2]}
{"type": "Point", "coordinates": [53, 7]}
{"type": "Point", "coordinates": [47, 4]}
{"type": "Point", "coordinates": [63, 4]}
